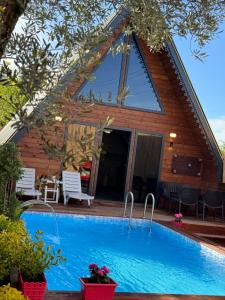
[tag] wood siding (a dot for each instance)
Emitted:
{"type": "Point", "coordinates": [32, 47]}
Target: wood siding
{"type": "Point", "coordinates": [178, 117]}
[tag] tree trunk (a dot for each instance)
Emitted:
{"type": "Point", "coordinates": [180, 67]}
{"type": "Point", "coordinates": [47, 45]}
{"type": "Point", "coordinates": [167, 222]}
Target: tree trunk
{"type": "Point", "coordinates": [10, 11]}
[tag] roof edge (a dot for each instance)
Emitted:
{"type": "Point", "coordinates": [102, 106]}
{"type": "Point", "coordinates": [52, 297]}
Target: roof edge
{"type": "Point", "coordinates": [193, 98]}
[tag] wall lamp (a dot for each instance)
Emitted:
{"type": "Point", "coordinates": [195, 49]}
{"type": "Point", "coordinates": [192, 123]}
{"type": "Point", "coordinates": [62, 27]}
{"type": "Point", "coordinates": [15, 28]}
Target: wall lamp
{"type": "Point", "coordinates": [173, 135]}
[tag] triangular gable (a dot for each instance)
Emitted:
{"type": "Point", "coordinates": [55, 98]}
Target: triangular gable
{"type": "Point", "coordinates": [122, 72]}
{"type": "Point", "coordinates": [10, 133]}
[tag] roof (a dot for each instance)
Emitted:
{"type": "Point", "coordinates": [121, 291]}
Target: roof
{"type": "Point", "coordinates": [9, 133]}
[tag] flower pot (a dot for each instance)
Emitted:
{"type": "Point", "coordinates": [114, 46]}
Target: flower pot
{"type": "Point", "coordinates": [177, 224]}
{"type": "Point", "coordinates": [97, 291]}
{"type": "Point", "coordinates": [33, 290]}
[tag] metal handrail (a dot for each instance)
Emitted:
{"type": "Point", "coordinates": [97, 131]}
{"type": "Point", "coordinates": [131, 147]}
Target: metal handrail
{"type": "Point", "coordinates": [131, 207]}
{"type": "Point", "coordinates": [153, 207]}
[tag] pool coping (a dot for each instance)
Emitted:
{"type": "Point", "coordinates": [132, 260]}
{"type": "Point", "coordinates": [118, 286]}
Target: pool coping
{"type": "Point", "coordinates": [65, 295]}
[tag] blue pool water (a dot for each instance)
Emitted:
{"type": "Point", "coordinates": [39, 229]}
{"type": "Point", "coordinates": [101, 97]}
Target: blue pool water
{"type": "Point", "coordinates": [164, 262]}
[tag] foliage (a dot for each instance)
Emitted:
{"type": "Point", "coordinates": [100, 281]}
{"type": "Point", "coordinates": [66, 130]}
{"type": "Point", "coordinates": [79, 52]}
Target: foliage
{"type": "Point", "coordinates": [178, 217]}
{"type": "Point", "coordinates": [12, 226]}
{"type": "Point", "coordinates": [9, 293]}
{"type": "Point", "coordinates": [222, 148]}
{"type": "Point", "coordinates": [12, 238]}
{"type": "Point", "coordinates": [59, 37]}
{"type": "Point", "coordinates": [98, 275]}
{"type": "Point", "coordinates": [10, 100]}
{"type": "Point", "coordinates": [11, 171]}
{"type": "Point", "coordinates": [17, 250]}
{"type": "Point", "coordinates": [37, 258]}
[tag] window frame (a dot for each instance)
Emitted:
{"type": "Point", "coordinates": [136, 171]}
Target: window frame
{"type": "Point", "coordinates": [123, 79]}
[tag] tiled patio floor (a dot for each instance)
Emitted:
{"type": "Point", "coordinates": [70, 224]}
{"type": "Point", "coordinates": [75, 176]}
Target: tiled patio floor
{"type": "Point", "coordinates": [207, 232]}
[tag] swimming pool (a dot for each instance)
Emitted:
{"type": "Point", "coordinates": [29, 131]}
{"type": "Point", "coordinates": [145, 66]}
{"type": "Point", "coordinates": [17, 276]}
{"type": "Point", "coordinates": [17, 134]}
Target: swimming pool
{"type": "Point", "coordinates": [163, 262]}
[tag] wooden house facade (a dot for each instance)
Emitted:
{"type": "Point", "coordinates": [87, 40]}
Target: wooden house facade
{"type": "Point", "coordinates": [159, 132]}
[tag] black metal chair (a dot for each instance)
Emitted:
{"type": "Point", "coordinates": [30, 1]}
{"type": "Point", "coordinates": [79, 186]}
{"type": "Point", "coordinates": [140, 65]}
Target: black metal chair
{"type": "Point", "coordinates": [169, 191]}
{"type": "Point", "coordinates": [189, 196]}
{"type": "Point", "coordinates": [213, 199]}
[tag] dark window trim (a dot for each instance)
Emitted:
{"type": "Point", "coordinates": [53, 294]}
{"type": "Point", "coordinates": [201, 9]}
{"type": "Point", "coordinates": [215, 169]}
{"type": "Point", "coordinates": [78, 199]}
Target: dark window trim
{"type": "Point", "coordinates": [129, 107]}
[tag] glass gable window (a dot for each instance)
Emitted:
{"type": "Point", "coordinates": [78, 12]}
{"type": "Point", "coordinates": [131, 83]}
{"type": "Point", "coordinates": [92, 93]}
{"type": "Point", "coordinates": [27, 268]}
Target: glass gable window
{"type": "Point", "coordinates": [113, 73]}
{"type": "Point", "coordinates": [140, 90]}
{"type": "Point", "coordinates": [104, 86]}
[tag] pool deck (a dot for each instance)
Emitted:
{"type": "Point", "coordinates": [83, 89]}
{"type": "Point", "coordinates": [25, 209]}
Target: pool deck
{"type": "Point", "coordinates": [210, 233]}
{"type": "Point", "coordinates": [130, 296]}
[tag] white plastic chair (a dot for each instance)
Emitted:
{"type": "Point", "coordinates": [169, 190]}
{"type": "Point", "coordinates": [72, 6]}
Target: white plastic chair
{"type": "Point", "coordinates": [26, 184]}
{"type": "Point", "coordinates": [72, 188]}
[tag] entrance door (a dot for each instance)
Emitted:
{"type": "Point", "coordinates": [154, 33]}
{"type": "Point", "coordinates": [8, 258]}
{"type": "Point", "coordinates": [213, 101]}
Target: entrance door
{"type": "Point", "coordinates": [113, 162]}
{"type": "Point", "coordinates": [146, 166]}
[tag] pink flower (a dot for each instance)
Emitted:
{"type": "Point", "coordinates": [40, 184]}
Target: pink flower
{"type": "Point", "coordinates": [178, 216]}
{"type": "Point", "coordinates": [105, 270]}
{"type": "Point", "coordinates": [100, 272]}
{"type": "Point", "coordinates": [93, 266]}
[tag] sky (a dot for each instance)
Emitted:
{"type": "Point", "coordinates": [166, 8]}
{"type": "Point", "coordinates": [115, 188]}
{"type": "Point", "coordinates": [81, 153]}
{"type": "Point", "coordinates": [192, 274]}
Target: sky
{"type": "Point", "coordinates": [208, 79]}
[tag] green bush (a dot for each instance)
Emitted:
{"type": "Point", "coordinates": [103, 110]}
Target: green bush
{"type": "Point", "coordinates": [11, 171]}
{"type": "Point", "coordinates": [13, 237]}
{"type": "Point", "coordinates": [18, 250]}
{"type": "Point", "coordinates": [9, 293]}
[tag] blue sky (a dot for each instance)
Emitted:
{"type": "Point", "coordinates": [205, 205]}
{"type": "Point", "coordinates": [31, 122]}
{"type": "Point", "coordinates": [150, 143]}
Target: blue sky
{"type": "Point", "coordinates": [208, 79]}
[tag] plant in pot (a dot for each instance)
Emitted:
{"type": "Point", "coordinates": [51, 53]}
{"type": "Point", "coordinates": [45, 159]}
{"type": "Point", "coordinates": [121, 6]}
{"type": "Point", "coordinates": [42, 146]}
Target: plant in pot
{"type": "Point", "coordinates": [178, 220]}
{"type": "Point", "coordinates": [98, 286]}
{"type": "Point", "coordinates": [12, 238]}
{"type": "Point", "coordinates": [35, 260]}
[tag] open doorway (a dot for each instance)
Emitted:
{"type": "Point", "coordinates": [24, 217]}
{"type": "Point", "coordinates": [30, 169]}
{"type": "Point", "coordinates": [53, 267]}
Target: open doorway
{"type": "Point", "coordinates": [146, 166]}
{"type": "Point", "coordinates": [113, 162]}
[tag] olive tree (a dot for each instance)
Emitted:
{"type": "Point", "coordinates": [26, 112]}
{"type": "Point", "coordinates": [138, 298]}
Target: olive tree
{"type": "Point", "coordinates": [61, 36]}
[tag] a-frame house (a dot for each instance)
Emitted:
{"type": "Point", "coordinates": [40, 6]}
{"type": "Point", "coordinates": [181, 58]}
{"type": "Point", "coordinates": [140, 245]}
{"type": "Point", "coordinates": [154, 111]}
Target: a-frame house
{"type": "Point", "coordinates": [159, 133]}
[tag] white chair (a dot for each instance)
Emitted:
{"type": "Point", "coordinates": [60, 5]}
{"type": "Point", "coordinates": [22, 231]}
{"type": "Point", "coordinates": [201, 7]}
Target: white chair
{"type": "Point", "coordinates": [72, 188]}
{"type": "Point", "coordinates": [26, 184]}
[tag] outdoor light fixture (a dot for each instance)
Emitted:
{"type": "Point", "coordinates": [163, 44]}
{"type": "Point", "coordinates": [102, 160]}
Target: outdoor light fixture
{"type": "Point", "coordinates": [58, 118]}
{"type": "Point", "coordinates": [173, 135]}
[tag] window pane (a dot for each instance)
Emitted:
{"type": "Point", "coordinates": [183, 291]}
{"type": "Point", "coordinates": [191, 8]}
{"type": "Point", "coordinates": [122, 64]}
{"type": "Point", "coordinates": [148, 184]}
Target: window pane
{"type": "Point", "coordinates": [141, 92]}
{"type": "Point", "coordinates": [104, 88]}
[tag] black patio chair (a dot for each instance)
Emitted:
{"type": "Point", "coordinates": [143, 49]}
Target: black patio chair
{"type": "Point", "coordinates": [213, 199]}
{"type": "Point", "coordinates": [169, 191]}
{"type": "Point", "coordinates": [189, 196]}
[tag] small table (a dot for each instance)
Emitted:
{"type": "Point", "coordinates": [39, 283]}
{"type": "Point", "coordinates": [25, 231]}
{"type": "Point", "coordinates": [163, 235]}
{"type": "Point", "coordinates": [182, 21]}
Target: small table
{"type": "Point", "coordinates": [53, 189]}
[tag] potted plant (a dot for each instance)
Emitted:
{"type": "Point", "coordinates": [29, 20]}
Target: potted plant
{"type": "Point", "coordinates": [36, 259]}
{"type": "Point", "coordinates": [178, 220]}
{"type": "Point", "coordinates": [98, 286]}
{"type": "Point", "coordinates": [12, 237]}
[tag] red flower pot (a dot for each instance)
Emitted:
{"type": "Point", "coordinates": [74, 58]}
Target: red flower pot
{"type": "Point", "coordinates": [97, 291]}
{"type": "Point", "coordinates": [177, 224]}
{"type": "Point", "coordinates": [33, 290]}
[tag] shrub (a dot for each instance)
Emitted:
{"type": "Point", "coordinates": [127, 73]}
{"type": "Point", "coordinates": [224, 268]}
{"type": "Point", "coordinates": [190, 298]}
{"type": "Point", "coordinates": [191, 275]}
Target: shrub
{"type": "Point", "coordinates": [11, 171]}
{"type": "Point", "coordinates": [13, 237]}
{"type": "Point", "coordinates": [9, 293]}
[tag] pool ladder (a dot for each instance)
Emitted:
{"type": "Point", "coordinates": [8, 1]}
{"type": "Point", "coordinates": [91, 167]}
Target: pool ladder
{"type": "Point", "coordinates": [130, 196]}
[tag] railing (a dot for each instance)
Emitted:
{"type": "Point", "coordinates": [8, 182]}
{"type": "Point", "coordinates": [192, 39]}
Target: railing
{"type": "Point", "coordinates": [129, 194]}
{"type": "Point", "coordinates": [153, 207]}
